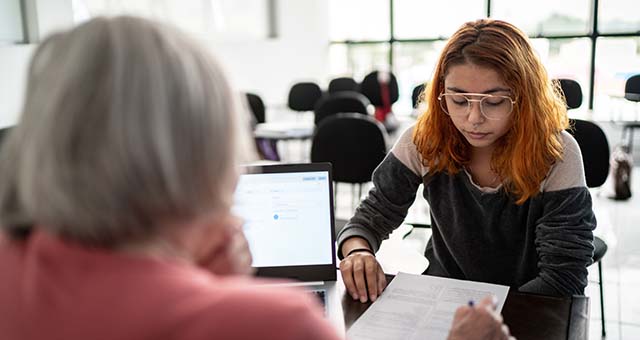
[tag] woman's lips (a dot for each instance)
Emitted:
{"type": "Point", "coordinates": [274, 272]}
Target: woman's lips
{"type": "Point", "coordinates": [476, 135]}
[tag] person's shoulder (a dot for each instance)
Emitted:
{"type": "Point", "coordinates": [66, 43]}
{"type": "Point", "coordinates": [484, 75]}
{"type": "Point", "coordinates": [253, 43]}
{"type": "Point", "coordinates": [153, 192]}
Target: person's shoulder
{"type": "Point", "coordinates": [568, 171]}
{"type": "Point", "coordinates": [405, 151]}
{"type": "Point", "coordinates": [406, 137]}
{"type": "Point", "coordinates": [569, 143]}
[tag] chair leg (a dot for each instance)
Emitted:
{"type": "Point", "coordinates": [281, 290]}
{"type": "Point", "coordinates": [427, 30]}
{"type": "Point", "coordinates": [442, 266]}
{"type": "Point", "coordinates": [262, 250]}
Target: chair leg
{"type": "Point", "coordinates": [604, 332]}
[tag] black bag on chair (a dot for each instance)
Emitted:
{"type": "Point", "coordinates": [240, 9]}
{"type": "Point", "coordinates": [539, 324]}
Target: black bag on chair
{"type": "Point", "coordinates": [621, 165]}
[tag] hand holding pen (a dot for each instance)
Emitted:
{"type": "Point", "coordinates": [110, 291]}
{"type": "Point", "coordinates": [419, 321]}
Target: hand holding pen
{"type": "Point", "coordinates": [479, 321]}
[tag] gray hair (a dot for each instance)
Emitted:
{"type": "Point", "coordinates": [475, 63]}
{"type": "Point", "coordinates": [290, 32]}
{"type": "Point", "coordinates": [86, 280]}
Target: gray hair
{"type": "Point", "coordinates": [127, 124]}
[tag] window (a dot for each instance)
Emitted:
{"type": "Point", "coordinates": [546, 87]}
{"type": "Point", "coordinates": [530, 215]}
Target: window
{"type": "Point", "coordinates": [414, 64]}
{"type": "Point", "coordinates": [616, 60]}
{"type": "Point", "coordinates": [618, 16]}
{"type": "Point", "coordinates": [567, 58]}
{"type": "Point", "coordinates": [545, 17]}
{"type": "Point", "coordinates": [359, 20]}
{"type": "Point", "coordinates": [227, 19]}
{"type": "Point", "coordinates": [11, 22]}
{"type": "Point", "coordinates": [358, 60]}
{"type": "Point", "coordinates": [562, 34]}
{"type": "Point", "coordinates": [419, 19]}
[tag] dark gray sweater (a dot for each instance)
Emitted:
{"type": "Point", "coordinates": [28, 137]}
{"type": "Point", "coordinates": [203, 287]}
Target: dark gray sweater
{"type": "Point", "coordinates": [542, 246]}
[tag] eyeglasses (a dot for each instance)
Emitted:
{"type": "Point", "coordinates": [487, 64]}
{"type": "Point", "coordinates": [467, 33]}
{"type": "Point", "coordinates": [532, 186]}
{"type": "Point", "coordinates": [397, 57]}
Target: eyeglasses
{"type": "Point", "coordinates": [492, 107]}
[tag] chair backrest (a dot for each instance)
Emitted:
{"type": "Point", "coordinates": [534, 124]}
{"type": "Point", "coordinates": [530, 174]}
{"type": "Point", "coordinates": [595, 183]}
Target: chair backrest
{"type": "Point", "coordinates": [304, 96]}
{"type": "Point", "coordinates": [257, 107]}
{"type": "Point", "coordinates": [343, 84]}
{"type": "Point", "coordinates": [632, 88]}
{"type": "Point", "coordinates": [340, 102]}
{"type": "Point", "coordinates": [354, 144]}
{"type": "Point", "coordinates": [415, 95]}
{"type": "Point", "coordinates": [595, 150]}
{"type": "Point", "coordinates": [572, 92]}
{"type": "Point", "coordinates": [370, 87]}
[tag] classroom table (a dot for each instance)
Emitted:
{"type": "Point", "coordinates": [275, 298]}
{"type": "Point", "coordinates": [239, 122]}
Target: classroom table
{"type": "Point", "coordinates": [529, 316]}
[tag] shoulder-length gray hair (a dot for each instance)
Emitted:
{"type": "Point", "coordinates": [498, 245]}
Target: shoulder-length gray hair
{"type": "Point", "coordinates": [127, 125]}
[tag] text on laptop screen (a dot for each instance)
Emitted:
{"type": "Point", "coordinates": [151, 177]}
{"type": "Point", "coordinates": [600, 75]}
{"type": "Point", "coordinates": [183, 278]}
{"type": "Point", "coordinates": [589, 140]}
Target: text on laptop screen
{"type": "Point", "coordinates": [287, 217]}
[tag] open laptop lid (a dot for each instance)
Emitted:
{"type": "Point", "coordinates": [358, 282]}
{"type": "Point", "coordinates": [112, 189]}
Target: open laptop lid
{"type": "Point", "coordinates": [289, 220]}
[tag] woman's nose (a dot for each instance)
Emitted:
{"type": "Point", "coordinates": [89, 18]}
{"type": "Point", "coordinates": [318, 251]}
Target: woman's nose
{"type": "Point", "coordinates": [475, 113]}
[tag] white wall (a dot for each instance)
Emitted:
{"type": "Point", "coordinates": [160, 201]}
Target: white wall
{"type": "Point", "coordinates": [50, 16]}
{"type": "Point", "coordinates": [13, 75]}
{"type": "Point", "coordinates": [268, 67]}
{"type": "Point", "coordinates": [300, 52]}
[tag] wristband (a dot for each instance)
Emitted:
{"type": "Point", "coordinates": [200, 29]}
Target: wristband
{"type": "Point", "coordinates": [361, 249]}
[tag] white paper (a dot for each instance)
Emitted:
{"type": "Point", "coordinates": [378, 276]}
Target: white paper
{"type": "Point", "coordinates": [420, 307]}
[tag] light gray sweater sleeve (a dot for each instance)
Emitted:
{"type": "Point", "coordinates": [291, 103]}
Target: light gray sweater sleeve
{"type": "Point", "coordinates": [387, 203]}
{"type": "Point", "coordinates": [564, 232]}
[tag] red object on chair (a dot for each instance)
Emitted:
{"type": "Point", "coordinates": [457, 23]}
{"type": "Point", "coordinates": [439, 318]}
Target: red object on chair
{"type": "Point", "coordinates": [382, 111]}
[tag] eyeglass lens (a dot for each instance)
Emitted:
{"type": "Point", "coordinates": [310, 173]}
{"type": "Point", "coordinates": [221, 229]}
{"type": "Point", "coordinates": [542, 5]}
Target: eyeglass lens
{"type": "Point", "coordinates": [492, 107]}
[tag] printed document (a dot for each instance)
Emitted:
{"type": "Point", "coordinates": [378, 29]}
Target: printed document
{"type": "Point", "coordinates": [420, 307]}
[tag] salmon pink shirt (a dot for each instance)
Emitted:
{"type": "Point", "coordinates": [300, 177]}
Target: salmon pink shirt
{"type": "Point", "coordinates": [53, 289]}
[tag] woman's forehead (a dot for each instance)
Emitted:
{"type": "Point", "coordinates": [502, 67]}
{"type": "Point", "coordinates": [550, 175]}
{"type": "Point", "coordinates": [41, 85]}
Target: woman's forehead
{"type": "Point", "coordinates": [473, 78]}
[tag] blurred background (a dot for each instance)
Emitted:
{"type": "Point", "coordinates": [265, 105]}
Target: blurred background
{"type": "Point", "coordinates": [270, 47]}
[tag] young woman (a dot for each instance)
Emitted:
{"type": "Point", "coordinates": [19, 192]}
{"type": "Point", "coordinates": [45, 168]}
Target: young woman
{"type": "Point", "coordinates": [115, 193]}
{"type": "Point", "coordinates": [504, 181]}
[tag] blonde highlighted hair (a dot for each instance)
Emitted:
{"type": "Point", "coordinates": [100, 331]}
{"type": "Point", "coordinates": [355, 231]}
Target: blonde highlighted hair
{"type": "Point", "coordinates": [527, 151]}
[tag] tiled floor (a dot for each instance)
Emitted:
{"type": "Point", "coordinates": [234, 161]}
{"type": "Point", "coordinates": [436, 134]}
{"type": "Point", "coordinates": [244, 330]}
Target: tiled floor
{"type": "Point", "coordinates": [618, 225]}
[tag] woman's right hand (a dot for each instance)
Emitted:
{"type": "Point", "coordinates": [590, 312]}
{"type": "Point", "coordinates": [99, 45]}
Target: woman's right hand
{"type": "Point", "coordinates": [361, 273]}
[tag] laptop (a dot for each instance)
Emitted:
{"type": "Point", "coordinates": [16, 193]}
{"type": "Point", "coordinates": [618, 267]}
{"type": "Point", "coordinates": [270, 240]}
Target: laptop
{"type": "Point", "coordinates": [289, 224]}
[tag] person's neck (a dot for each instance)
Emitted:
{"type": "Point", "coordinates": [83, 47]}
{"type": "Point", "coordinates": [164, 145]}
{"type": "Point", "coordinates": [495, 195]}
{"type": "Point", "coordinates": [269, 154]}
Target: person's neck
{"type": "Point", "coordinates": [479, 167]}
{"type": "Point", "coordinates": [157, 248]}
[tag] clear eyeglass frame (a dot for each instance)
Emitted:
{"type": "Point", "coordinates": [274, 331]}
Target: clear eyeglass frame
{"type": "Point", "coordinates": [442, 98]}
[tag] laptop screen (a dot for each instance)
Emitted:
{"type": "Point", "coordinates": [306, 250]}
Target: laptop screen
{"type": "Point", "coordinates": [288, 214]}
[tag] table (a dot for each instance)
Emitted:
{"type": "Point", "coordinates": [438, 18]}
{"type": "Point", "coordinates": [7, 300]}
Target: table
{"type": "Point", "coordinates": [271, 133]}
{"type": "Point", "coordinates": [529, 316]}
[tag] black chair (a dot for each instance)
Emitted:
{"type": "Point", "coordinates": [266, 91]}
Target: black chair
{"type": "Point", "coordinates": [415, 95]}
{"type": "Point", "coordinates": [257, 107]}
{"type": "Point", "coordinates": [594, 148]}
{"type": "Point", "coordinates": [304, 96]}
{"type": "Point", "coordinates": [353, 143]}
{"type": "Point", "coordinates": [372, 89]}
{"type": "Point", "coordinates": [267, 148]}
{"type": "Point", "coordinates": [572, 93]}
{"type": "Point", "coordinates": [340, 102]}
{"type": "Point", "coordinates": [631, 93]}
{"type": "Point", "coordinates": [343, 84]}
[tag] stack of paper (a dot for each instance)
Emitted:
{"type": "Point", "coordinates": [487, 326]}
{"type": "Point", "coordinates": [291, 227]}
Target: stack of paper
{"type": "Point", "coordinates": [420, 307]}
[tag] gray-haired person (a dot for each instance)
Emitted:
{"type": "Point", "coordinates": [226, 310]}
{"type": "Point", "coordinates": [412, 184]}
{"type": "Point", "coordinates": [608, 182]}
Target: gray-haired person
{"type": "Point", "coordinates": [115, 194]}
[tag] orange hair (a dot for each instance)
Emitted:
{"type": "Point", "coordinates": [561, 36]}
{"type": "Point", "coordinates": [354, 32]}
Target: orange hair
{"type": "Point", "coordinates": [524, 155]}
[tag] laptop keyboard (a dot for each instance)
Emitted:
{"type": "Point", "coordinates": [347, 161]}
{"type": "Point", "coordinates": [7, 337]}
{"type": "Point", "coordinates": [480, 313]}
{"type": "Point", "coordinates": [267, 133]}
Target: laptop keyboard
{"type": "Point", "coordinates": [322, 297]}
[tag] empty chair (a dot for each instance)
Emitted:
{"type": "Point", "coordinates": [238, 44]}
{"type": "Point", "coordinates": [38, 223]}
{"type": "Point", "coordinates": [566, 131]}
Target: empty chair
{"type": "Point", "coordinates": [353, 143]}
{"type": "Point", "coordinates": [572, 92]}
{"type": "Point", "coordinates": [267, 148]}
{"type": "Point", "coordinates": [257, 107]}
{"type": "Point", "coordinates": [631, 93]}
{"type": "Point", "coordinates": [594, 148]}
{"type": "Point", "coordinates": [381, 88]}
{"type": "Point", "coordinates": [595, 158]}
{"type": "Point", "coordinates": [340, 102]}
{"type": "Point", "coordinates": [415, 95]}
{"type": "Point", "coordinates": [343, 84]}
{"type": "Point", "coordinates": [304, 96]}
